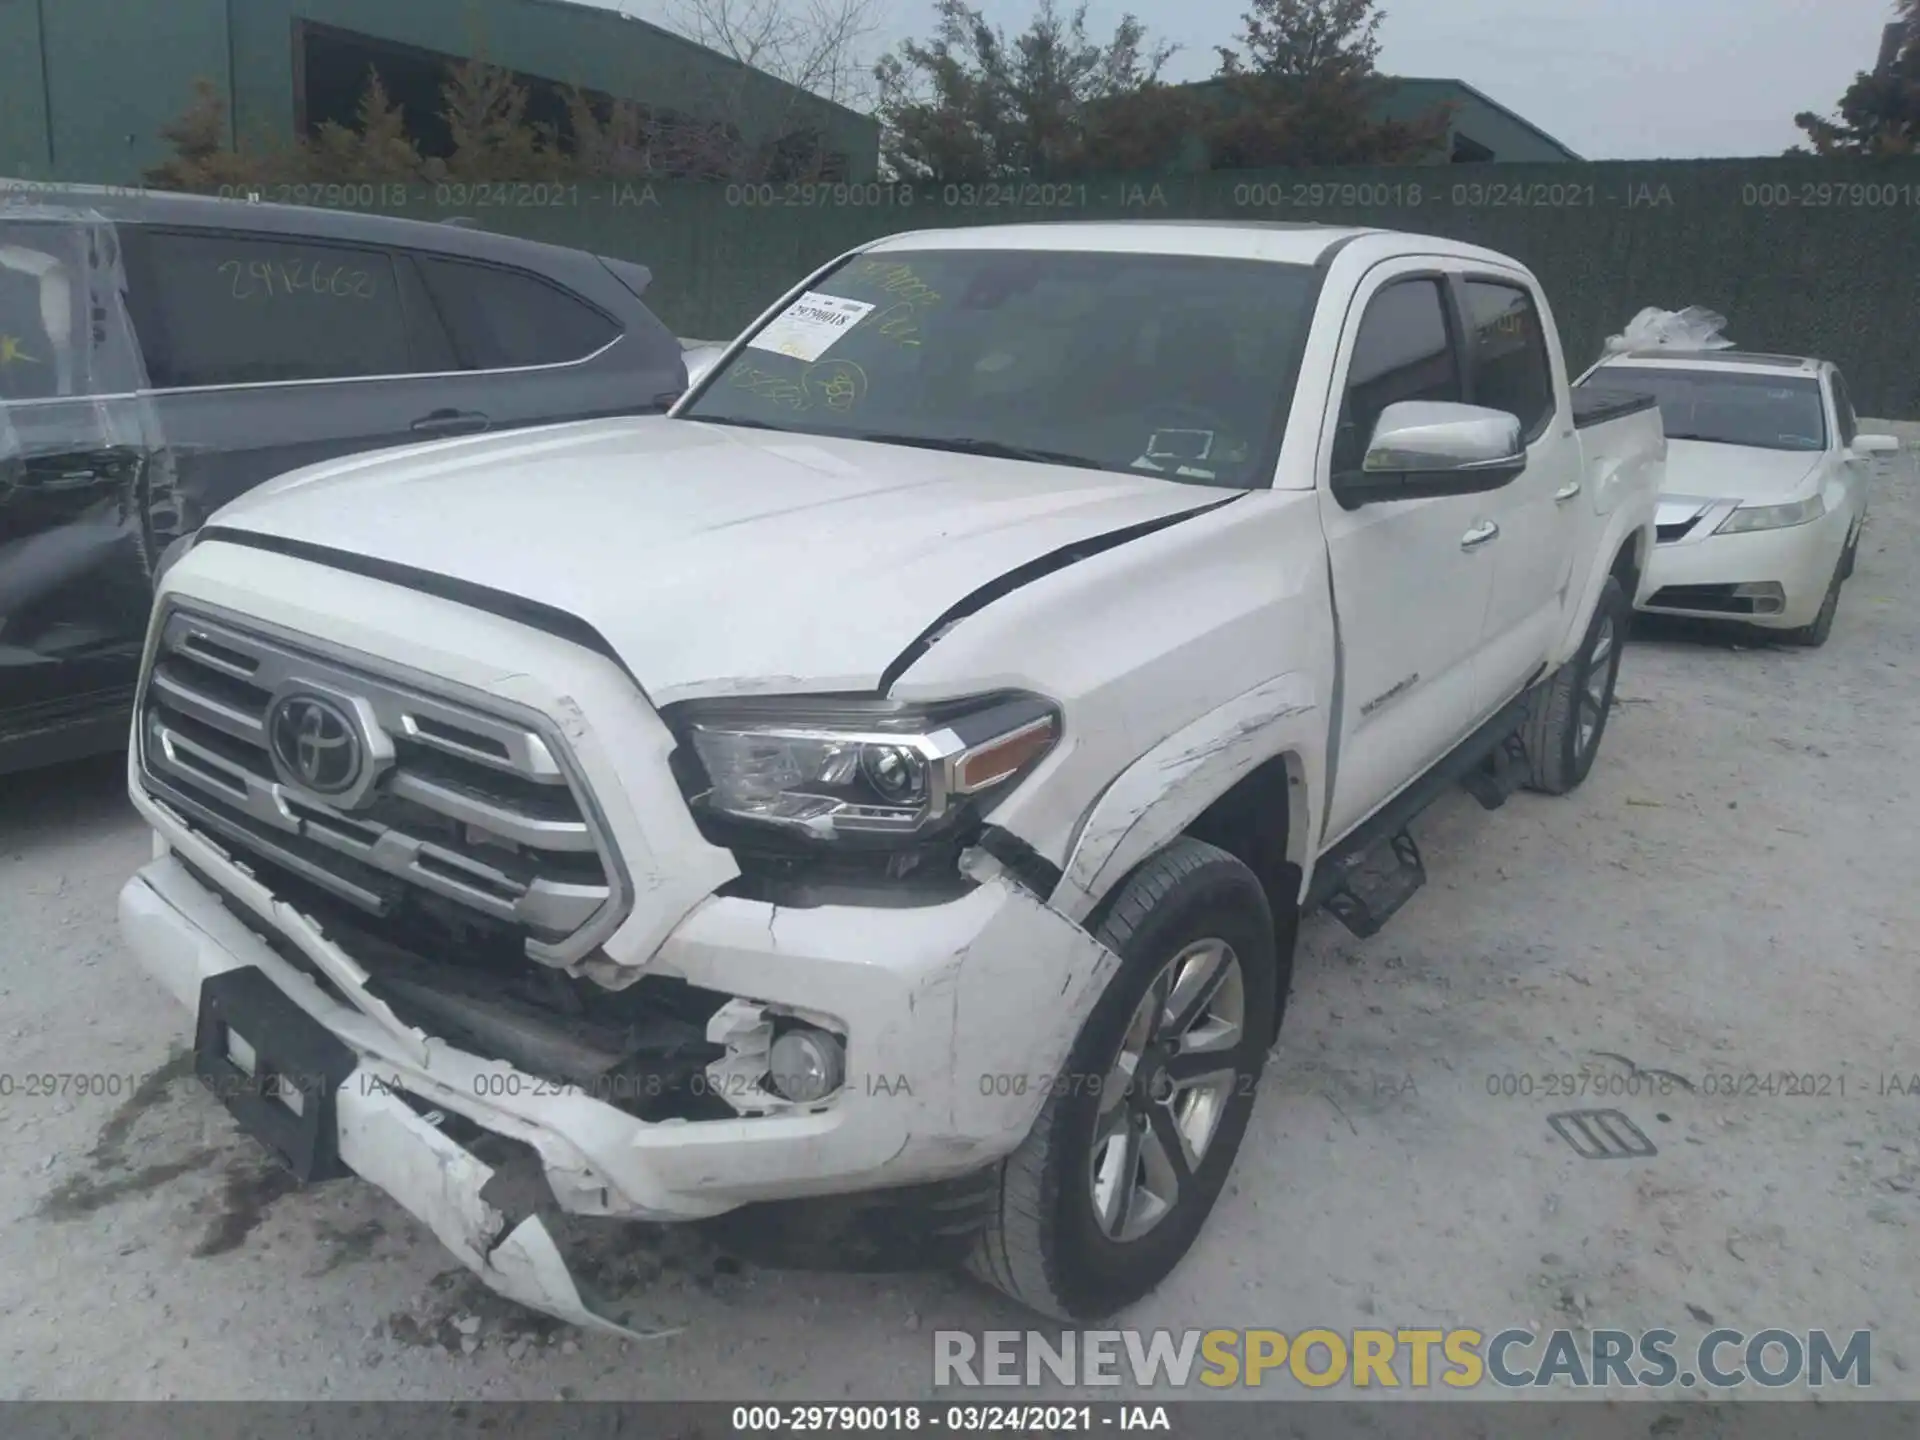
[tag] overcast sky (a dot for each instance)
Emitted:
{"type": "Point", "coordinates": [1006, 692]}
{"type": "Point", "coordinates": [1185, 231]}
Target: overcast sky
{"type": "Point", "coordinates": [1613, 79]}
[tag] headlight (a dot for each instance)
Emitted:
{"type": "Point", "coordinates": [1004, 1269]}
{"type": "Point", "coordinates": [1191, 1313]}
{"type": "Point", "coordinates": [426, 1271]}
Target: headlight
{"type": "Point", "coordinates": [1772, 517]}
{"type": "Point", "coordinates": [172, 555]}
{"type": "Point", "coordinates": [857, 770]}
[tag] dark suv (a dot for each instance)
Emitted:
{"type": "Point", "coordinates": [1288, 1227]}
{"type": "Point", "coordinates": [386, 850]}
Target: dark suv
{"type": "Point", "coordinates": [160, 354]}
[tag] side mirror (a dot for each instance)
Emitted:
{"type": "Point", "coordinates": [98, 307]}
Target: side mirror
{"type": "Point", "coordinates": [1434, 447]}
{"type": "Point", "coordinates": [1874, 444]}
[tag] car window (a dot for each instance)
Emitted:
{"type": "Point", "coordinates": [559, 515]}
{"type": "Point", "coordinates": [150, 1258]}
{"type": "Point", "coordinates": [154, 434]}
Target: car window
{"type": "Point", "coordinates": [1511, 371]}
{"type": "Point", "coordinates": [42, 311]}
{"type": "Point", "coordinates": [1173, 366]}
{"type": "Point", "coordinates": [1404, 351]}
{"type": "Point", "coordinates": [501, 319]}
{"type": "Point", "coordinates": [1843, 411]}
{"type": "Point", "coordinates": [1728, 407]}
{"type": "Point", "coordinates": [225, 309]}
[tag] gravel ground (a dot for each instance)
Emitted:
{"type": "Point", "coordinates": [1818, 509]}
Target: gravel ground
{"type": "Point", "coordinates": [1726, 895]}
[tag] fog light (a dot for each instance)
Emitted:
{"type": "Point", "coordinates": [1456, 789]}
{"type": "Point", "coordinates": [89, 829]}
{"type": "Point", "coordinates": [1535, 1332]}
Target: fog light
{"type": "Point", "coordinates": [806, 1065]}
{"type": "Point", "coordinates": [1768, 597]}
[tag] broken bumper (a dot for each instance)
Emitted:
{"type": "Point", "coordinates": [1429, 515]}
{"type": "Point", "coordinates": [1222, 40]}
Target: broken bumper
{"type": "Point", "coordinates": [956, 1015]}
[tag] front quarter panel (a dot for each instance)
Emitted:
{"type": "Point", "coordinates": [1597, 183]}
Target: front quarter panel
{"type": "Point", "coordinates": [1179, 660]}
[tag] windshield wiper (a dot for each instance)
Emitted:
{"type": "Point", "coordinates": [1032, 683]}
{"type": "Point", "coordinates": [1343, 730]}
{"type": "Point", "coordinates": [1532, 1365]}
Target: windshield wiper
{"type": "Point", "coordinates": [992, 449]}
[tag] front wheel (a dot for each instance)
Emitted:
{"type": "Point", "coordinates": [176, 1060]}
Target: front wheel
{"type": "Point", "coordinates": [1121, 1169]}
{"type": "Point", "coordinates": [1815, 635]}
{"type": "Point", "coordinates": [1568, 714]}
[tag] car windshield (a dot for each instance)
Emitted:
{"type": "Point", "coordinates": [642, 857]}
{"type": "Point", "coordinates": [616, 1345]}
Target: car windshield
{"type": "Point", "coordinates": [1160, 365]}
{"type": "Point", "coordinates": [1768, 412]}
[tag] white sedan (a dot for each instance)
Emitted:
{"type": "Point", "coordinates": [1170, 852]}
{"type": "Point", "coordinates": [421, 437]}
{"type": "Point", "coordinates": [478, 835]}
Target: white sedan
{"type": "Point", "coordinates": [1766, 487]}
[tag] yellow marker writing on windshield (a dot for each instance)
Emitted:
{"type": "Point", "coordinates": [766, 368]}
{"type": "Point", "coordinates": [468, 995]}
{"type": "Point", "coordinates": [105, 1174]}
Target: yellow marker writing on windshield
{"type": "Point", "coordinates": [11, 353]}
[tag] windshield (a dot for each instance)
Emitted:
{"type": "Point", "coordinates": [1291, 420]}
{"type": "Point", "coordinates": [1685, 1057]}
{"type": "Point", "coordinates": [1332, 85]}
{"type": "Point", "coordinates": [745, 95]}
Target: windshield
{"type": "Point", "coordinates": [1148, 364]}
{"type": "Point", "coordinates": [1769, 412]}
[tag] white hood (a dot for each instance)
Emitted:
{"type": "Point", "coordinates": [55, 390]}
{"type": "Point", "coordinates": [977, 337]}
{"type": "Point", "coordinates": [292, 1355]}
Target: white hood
{"type": "Point", "coordinates": [714, 559]}
{"type": "Point", "coordinates": [1703, 470]}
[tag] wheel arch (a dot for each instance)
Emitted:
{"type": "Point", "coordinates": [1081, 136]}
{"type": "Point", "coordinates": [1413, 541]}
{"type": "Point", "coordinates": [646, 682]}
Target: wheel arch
{"type": "Point", "coordinates": [1243, 779]}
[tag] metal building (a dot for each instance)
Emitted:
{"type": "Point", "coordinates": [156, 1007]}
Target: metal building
{"type": "Point", "coordinates": [85, 87]}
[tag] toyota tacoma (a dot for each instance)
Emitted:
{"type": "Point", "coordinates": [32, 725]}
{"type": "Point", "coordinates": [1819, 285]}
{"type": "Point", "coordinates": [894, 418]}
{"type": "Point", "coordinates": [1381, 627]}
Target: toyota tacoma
{"type": "Point", "coordinates": [886, 785]}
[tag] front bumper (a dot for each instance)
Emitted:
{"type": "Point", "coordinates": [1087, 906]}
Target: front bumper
{"type": "Point", "coordinates": [956, 1016]}
{"type": "Point", "coordinates": [1694, 577]}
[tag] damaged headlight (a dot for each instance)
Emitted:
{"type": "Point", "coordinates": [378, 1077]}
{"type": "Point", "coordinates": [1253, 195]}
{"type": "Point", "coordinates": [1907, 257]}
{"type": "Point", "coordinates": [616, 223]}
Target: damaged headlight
{"type": "Point", "coordinates": [860, 770]}
{"type": "Point", "coordinates": [1772, 517]}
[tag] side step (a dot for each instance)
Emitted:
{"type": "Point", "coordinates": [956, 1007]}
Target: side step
{"type": "Point", "coordinates": [1499, 775]}
{"type": "Point", "coordinates": [1371, 873]}
{"type": "Point", "coordinates": [1375, 883]}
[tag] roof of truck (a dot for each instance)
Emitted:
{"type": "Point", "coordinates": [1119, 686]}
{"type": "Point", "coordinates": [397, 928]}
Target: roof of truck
{"type": "Point", "coordinates": [1288, 242]}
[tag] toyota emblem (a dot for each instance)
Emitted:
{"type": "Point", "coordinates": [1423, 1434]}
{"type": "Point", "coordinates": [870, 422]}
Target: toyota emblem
{"type": "Point", "coordinates": [316, 744]}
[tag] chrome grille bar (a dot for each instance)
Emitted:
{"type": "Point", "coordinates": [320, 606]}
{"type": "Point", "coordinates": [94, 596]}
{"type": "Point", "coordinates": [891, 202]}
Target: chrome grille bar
{"type": "Point", "coordinates": [475, 808]}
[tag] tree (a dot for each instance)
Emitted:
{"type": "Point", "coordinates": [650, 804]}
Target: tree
{"type": "Point", "coordinates": [1301, 89]}
{"type": "Point", "coordinates": [1880, 112]}
{"type": "Point", "coordinates": [486, 114]}
{"type": "Point", "coordinates": [202, 159]}
{"type": "Point", "coordinates": [377, 147]}
{"type": "Point", "coordinates": [1307, 40]}
{"type": "Point", "coordinates": [818, 46]}
{"type": "Point", "coordinates": [970, 105]}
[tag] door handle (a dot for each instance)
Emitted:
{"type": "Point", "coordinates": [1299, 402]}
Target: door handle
{"type": "Point", "coordinates": [452, 422]}
{"type": "Point", "coordinates": [1479, 535]}
{"type": "Point", "coordinates": [1566, 492]}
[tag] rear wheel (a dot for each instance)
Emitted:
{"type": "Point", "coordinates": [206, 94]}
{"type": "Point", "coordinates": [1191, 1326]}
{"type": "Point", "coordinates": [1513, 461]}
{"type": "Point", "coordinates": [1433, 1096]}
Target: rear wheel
{"type": "Point", "coordinates": [1122, 1167]}
{"type": "Point", "coordinates": [1568, 714]}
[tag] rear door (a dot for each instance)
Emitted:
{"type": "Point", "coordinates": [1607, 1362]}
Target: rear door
{"type": "Point", "coordinates": [270, 352]}
{"type": "Point", "coordinates": [1511, 366]}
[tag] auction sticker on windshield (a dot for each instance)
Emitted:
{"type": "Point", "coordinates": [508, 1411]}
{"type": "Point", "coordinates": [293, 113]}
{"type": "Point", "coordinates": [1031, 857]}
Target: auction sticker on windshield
{"type": "Point", "coordinates": [810, 324]}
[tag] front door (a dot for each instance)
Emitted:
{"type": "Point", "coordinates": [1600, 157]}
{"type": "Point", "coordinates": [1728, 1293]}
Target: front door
{"type": "Point", "coordinates": [1411, 578]}
{"type": "Point", "coordinates": [78, 452]}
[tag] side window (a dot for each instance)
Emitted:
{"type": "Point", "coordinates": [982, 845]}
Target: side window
{"type": "Point", "coordinates": [500, 319]}
{"type": "Point", "coordinates": [1511, 371]}
{"type": "Point", "coordinates": [1843, 411]}
{"type": "Point", "coordinates": [226, 309]}
{"type": "Point", "coordinates": [1404, 351]}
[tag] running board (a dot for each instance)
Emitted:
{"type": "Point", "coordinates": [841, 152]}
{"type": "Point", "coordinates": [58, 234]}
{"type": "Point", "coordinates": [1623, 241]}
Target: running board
{"type": "Point", "coordinates": [1371, 873]}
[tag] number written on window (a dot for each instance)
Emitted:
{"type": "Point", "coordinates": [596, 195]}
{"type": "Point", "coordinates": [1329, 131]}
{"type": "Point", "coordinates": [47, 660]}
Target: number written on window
{"type": "Point", "coordinates": [268, 279]}
{"type": "Point", "coordinates": [217, 308]}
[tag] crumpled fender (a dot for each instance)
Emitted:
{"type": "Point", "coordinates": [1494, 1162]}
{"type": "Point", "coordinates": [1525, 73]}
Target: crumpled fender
{"type": "Point", "coordinates": [1168, 787]}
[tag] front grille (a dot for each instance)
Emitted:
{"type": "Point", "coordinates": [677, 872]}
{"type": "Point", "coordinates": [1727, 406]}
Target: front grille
{"type": "Point", "coordinates": [472, 823]}
{"type": "Point", "coordinates": [1667, 534]}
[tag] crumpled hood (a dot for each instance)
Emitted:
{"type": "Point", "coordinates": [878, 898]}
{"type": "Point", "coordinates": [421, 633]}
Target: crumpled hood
{"type": "Point", "coordinates": [714, 559]}
{"type": "Point", "coordinates": [1702, 470]}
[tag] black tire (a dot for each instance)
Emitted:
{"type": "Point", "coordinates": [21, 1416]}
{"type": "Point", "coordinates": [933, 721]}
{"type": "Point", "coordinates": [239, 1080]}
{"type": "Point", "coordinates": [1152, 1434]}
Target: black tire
{"type": "Point", "coordinates": [1044, 1244]}
{"type": "Point", "coordinates": [1814, 635]}
{"type": "Point", "coordinates": [1568, 713]}
{"type": "Point", "coordinates": [1848, 556]}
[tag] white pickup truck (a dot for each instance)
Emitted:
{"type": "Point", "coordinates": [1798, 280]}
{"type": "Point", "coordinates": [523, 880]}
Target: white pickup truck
{"type": "Point", "coordinates": [885, 787]}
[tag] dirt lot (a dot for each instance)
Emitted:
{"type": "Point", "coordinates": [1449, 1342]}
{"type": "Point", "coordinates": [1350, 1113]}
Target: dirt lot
{"type": "Point", "coordinates": [1729, 894]}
